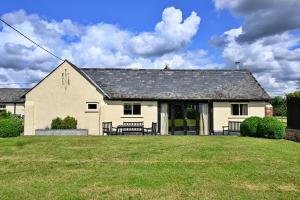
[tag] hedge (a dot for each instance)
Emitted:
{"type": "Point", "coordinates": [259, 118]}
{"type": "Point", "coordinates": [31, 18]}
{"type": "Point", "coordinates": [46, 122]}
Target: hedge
{"type": "Point", "coordinates": [10, 127]}
{"type": "Point", "coordinates": [5, 115]}
{"type": "Point", "coordinates": [270, 127]}
{"type": "Point", "coordinates": [66, 123]}
{"type": "Point", "coordinates": [249, 126]}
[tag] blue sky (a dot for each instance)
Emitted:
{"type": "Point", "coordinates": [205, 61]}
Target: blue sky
{"type": "Point", "coordinates": [204, 34]}
{"type": "Point", "coordinates": [134, 15]}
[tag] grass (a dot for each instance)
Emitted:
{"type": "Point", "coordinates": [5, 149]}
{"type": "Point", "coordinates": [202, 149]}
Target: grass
{"type": "Point", "coordinates": [149, 168]}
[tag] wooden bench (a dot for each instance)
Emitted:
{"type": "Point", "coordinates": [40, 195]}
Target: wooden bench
{"type": "Point", "coordinates": [233, 127]}
{"type": "Point", "coordinates": [131, 128]}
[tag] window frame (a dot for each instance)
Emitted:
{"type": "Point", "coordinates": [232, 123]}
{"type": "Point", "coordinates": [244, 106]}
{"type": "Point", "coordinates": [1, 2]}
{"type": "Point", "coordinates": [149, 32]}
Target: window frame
{"type": "Point", "coordinates": [2, 108]}
{"type": "Point", "coordinates": [92, 110]}
{"type": "Point", "coordinates": [132, 109]}
{"type": "Point", "coordinates": [240, 109]}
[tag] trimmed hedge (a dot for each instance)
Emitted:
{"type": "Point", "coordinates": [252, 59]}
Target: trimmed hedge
{"type": "Point", "coordinates": [10, 127]}
{"type": "Point", "coordinates": [249, 126]}
{"type": "Point", "coordinates": [270, 127]}
{"type": "Point", "coordinates": [66, 123]}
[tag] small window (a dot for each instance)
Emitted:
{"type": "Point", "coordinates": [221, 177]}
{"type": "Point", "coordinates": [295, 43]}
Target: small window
{"type": "Point", "coordinates": [2, 108]}
{"type": "Point", "coordinates": [239, 109]}
{"type": "Point", "coordinates": [132, 109]}
{"type": "Point", "coordinates": [92, 107]}
{"type": "Point", "coordinates": [127, 109]}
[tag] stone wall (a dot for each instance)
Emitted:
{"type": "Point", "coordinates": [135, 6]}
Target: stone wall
{"type": "Point", "coordinates": [61, 132]}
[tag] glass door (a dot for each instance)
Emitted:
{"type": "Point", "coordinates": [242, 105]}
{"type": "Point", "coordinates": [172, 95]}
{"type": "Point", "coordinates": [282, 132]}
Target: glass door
{"type": "Point", "coordinates": [183, 119]}
{"type": "Point", "coordinates": [179, 120]}
{"type": "Point", "coordinates": [191, 117]}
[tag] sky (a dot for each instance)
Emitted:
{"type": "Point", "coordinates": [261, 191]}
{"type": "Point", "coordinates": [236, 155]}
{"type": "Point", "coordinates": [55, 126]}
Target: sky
{"type": "Point", "coordinates": [191, 34]}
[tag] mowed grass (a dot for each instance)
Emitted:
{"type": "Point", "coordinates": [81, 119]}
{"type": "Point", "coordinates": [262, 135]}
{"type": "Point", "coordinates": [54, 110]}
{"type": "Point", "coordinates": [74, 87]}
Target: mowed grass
{"type": "Point", "coordinates": [149, 168]}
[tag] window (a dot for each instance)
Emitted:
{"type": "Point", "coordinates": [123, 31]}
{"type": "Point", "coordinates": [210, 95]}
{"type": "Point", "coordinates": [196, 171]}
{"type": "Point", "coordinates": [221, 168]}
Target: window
{"type": "Point", "coordinates": [239, 109]}
{"type": "Point", "coordinates": [2, 108]}
{"type": "Point", "coordinates": [93, 107]}
{"type": "Point", "coordinates": [132, 109]}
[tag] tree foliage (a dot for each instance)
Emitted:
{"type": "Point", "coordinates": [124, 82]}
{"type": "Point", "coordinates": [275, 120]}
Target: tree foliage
{"type": "Point", "coordinates": [279, 106]}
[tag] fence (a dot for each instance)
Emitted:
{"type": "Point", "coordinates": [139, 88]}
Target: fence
{"type": "Point", "coordinates": [293, 113]}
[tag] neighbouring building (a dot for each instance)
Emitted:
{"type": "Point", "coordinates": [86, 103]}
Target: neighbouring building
{"type": "Point", "coordinates": [190, 102]}
{"type": "Point", "coordinates": [12, 100]}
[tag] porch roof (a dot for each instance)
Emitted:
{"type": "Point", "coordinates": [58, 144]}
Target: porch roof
{"type": "Point", "coordinates": [12, 95]}
{"type": "Point", "coordinates": [157, 84]}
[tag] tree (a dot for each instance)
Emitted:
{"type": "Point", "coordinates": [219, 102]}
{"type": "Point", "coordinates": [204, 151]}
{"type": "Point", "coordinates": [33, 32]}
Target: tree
{"type": "Point", "coordinates": [279, 106]}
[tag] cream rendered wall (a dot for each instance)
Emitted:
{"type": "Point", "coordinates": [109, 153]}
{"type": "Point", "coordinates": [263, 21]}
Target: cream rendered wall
{"type": "Point", "coordinates": [10, 107]}
{"type": "Point", "coordinates": [112, 111]}
{"type": "Point", "coordinates": [55, 97]}
{"type": "Point", "coordinates": [51, 99]}
{"type": "Point", "coordinates": [222, 113]}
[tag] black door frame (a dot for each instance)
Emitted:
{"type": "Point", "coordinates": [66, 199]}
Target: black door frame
{"type": "Point", "coordinates": [184, 104]}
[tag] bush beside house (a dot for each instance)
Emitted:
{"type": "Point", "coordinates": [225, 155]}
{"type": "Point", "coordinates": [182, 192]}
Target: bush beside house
{"type": "Point", "coordinates": [268, 127]}
{"type": "Point", "coordinates": [10, 126]}
{"type": "Point", "coordinates": [249, 126]}
{"type": "Point", "coordinates": [66, 123]}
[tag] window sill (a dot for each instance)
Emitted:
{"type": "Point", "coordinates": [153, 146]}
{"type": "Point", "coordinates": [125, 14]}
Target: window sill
{"type": "Point", "coordinates": [238, 116]}
{"type": "Point", "coordinates": [132, 116]}
{"type": "Point", "coordinates": [91, 111]}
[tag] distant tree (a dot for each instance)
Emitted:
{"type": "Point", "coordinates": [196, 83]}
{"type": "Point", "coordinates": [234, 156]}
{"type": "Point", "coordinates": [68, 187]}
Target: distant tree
{"type": "Point", "coordinates": [279, 106]}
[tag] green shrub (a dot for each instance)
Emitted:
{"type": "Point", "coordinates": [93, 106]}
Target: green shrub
{"type": "Point", "coordinates": [70, 123]}
{"type": "Point", "coordinates": [249, 126]}
{"type": "Point", "coordinates": [67, 123]}
{"type": "Point", "coordinates": [270, 127]}
{"type": "Point", "coordinates": [5, 115]}
{"type": "Point", "coordinates": [10, 127]}
{"type": "Point", "coordinates": [57, 123]}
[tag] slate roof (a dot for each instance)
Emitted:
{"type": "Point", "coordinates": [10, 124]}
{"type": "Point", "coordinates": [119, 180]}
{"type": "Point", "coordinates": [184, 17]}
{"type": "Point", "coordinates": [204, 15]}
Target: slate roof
{"type": "Point", "coordinates": [12, 95]}
{"type": "Point", "coordinates": [176, 84]}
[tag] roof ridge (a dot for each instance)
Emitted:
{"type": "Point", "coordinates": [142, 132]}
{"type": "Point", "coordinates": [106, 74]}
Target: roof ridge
{"type": "Point", "coordinates": [14, 88]}
{"type": "Point", "coordinates": [151, 69]}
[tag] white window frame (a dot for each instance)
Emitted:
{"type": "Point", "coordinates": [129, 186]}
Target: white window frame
{"type": "Point", "coordinates": [2, 108]}
{"type": "Point", "coordinates": [231, 109]}
{"type": "Point", "coordinates": [131, 104]}
{"type": "Point", "coordinates": [92, 110]}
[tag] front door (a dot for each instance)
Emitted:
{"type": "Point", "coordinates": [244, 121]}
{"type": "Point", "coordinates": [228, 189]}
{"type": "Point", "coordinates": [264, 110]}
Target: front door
{"type": "Point", "coordinates": [191, 118]}
{"type": "Point", "coordinates": [183, 118]}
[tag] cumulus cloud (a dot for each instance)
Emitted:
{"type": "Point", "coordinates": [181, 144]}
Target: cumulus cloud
{"type": "Point", "coordinates": [267, 43]}
{"type": "Point", "coordinates": [95, 45]}
{"type": "Point", "coordinates": [171, 34]}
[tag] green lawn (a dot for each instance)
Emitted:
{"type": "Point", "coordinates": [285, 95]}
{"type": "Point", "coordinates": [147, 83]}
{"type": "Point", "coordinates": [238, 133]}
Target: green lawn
{"type": "Point", "coordinates": [149, 168]}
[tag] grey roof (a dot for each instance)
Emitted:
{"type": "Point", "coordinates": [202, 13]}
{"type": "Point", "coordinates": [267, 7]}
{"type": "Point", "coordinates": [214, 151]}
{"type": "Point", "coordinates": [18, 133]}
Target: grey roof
{"type": "Point", "coordinates": [12, 95]}
{"type": "Point", "coordinates": [176, 84]}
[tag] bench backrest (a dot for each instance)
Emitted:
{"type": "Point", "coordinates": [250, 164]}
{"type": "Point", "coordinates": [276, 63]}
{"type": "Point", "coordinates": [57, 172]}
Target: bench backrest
{"type": "Point", "coordinates": [134, 123]}
{"type": "Point", "coordinates": [107, 126]}
{"type": "Point", "coordinates": [234, 126]}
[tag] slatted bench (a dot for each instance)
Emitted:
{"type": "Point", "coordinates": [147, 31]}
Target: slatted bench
{"type": "Point", "coordinates": [233, 127]}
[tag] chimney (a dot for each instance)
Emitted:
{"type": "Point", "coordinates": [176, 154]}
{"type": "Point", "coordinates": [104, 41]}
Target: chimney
{"type": "Point", "coordinates": [269, 110]}
{"type": "Point", "coordinates": [167, 67]}
{"type": "Point", "coordinates": [237, 64]}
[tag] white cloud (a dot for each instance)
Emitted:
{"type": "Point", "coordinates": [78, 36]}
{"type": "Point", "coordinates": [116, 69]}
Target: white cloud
{"type": "Point", "coordinates": [95, 45]}
{"type": "Point", "coordinates": [273, 60]}
{"type": "Point", "coordinates": [267, 43]}
{"type": "Point", "coordinates": [171, 34]}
